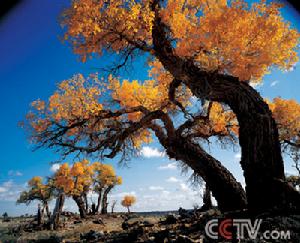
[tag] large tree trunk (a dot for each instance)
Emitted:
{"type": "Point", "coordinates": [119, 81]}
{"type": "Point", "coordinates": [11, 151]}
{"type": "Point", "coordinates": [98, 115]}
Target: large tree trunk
{"type": "Point", "coordinates": [99, 200]}
{"type": "Point", "coordinates": [81, 206]}
{"type": "Point", "coordinates": [54, 220]}
{"type": "Point", "coordinates": [261, 154]}
{"type": "Point", "coordinates": [229, 193]}
{"type": "Point", "coordinates": [104, 200]}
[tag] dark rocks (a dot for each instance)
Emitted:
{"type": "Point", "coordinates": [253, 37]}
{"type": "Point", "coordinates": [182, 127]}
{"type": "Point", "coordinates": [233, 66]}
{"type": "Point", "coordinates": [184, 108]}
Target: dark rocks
{"type": "Point", "coordinates": [98, 221]}
{"type": "Point", "coordinates": [170, 219]}
{"type": "Point", "coordinates": [77, 221]}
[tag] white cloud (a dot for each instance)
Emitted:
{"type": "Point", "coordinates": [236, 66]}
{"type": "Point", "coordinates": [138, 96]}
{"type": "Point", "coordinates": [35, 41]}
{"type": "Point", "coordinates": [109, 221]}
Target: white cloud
{"type": "Point", "coordinates": [2, 189]}
{"type": "Point", "coordinates": [149, 152]}
{"type": "Point", "coordinates": [170, 166]}
{"type": "Point", "coordinates": [10, 191]}
{"type": "Point", "coordinates": [54, 167]}
{"type": "Point", "coordinates": [156, 188]}
{"type": "Point", "coordinates": [14, 173]}
{"type": "Point", "coordinates": [238, 156]}
{"type": "Point", "coordinates": [173, 179]}
{"type": "Point", "coordinates": [184, 187]}
{"type": "Point", "coordinates": [274, 83]}
{"type": "Point", "coordinates": [18, 173]}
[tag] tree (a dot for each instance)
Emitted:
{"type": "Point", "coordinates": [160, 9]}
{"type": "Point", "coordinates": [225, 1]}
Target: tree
{"type": "Point", "coordinates": [215, 48]}
{"type": "Point", "coordinates": [105, 179]}
{"type": "Point", "coordinates": [67, 123]}
{"type": "Point", "coordinates": [37, 191]}
{"type": "Point", "coordinates": [212, 49]}
{"type": "Point", "coordinates": [128, 201]}
{"type": "Point", "coordinates": [75, 182]}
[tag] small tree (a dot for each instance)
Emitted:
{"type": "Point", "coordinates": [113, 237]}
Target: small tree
{"type": "Point", "coordinates": [128, 201]}
{"type": "Point", "coordinates": [105, 179]}
{"type": "Point", "coordinates": [39, 191]}
{"type": "Point", "coordinates": [5, 216]}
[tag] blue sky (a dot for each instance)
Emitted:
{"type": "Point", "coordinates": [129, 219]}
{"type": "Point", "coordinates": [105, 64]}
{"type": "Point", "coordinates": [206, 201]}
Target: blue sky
{"type": "Point", "coordinates": [33, 60]}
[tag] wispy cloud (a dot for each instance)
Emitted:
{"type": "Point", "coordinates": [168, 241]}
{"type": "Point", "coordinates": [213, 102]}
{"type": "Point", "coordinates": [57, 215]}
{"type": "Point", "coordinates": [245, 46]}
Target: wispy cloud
{"type": "Point", "coordinates": [170, 166]}
{"type": "Point", "coordinates": [149, 152]}
{"type": "Point", "coordinates": [54, 167]}
{"type": "Point", "coordinates": [14, 173]}
{"type": "Point", "coordinates": [156, 188]}
{"type": "Point", "coordinates": [274, 83]}
{"type": "Point", "coordinates": [173, 179]}
{"type": "Point", "coordinates": [10, 191]}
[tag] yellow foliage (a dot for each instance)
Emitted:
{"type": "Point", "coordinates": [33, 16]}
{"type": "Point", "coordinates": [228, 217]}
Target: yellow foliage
{"type": "Point", "coordinates": [287, 116]}
{"type": "Point", "coordinates": [74, 180]}
{"type": "Point", "coordinates": [128, 200]}
{"type": "Point", "coordinates": [228, 36]}
{"type": "Point", "coordinates": [105, 176]}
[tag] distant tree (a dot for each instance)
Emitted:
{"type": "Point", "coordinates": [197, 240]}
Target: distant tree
{"type": "Point", "coordinates": [39, 191]}
{"type": "Point", "coordinates": [128, 201]}
{"type": "Point", "coordinates": [5, 215]}
{"type": "Point", "coordinates": [113, 204]}
{"type": "Point", "coordinates": [104, 179]}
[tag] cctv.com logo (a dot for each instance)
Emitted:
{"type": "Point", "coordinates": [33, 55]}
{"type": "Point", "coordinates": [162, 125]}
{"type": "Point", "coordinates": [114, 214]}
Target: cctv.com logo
{"type": "Point", "coordinates": [240, 229]}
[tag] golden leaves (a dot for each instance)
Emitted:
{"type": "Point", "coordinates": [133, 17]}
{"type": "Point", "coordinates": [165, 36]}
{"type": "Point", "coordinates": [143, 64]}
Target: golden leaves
{"type": "Point", "coordinates": [128, 200]}
{"type": "Point", "coordinates": [287, 116]}
{"type": "Point", "coordinates": [227, 36]}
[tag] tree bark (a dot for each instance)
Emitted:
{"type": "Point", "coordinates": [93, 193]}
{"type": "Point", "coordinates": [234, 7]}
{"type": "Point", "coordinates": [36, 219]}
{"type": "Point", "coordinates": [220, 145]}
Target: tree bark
{"type": "Point", "coordinates": [104, 200]}
{"type": "Point", "coordinates": [228, 192]}
{"type": "Point", "coordinates": [128, 209]}
{"type": "Point", "coordinates": [54, 220]}
{"type": "Point", "coordinates": [81, 206]}
{"type": "Point", "coordinates": [99, 200]}
{"type": "Point", "coordinates": [258, 134]}
{"type": "Point", "coordinates": [86, 202]}
{"type": "Point", "coordinates": [39, 215]}
{"type": "Point", "coordinates": [47, 209]}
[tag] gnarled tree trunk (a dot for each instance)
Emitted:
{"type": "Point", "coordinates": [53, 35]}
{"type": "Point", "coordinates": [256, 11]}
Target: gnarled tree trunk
{"type": "Point", "coordinates": [104, 200]}
{"type": "Point", "coordinates": [229, 193]}
{"type": "Point", "coordinates": [99, 200]}
{"type": "Point", "coordinates": [81, 206]}
{"type": "Point", "coordinates": [258, 135]}
{"type": "Point", "coordinates": [54, 220]}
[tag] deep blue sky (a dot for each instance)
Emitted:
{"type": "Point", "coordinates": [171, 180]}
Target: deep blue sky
{"type": "Point", "coordinates": [33, 60]}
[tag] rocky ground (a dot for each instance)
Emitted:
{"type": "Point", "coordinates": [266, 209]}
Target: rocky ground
{"type": "Point", "coordinates": [184, 226]}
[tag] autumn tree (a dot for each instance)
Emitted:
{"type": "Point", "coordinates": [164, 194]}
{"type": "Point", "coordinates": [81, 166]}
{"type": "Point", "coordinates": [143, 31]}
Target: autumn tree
{"type": "Point", "coordinates": [75, 182]}
{"type": "Point", "coordinates": [128, 201]}
{"type": "Point", "coordinates": [66, 123]}
{"type": "Point", "coordinates": [37, 191]}
{"type": "Point", "coordinates": [211, 49]}
{"type": "Point", "coordinates": [216, 48]}
{"type": "Point", "coordinates": [105, 179]}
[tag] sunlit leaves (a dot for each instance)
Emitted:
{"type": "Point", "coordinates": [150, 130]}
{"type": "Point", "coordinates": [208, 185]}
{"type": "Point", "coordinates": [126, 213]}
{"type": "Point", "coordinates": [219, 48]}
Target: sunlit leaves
{"type": "Point", "coordinates": [37, 190]}
{"type": "Point", "coordinates": [228, 36]}
{"type": "Point", "coordinates": [74, 180]}
{"type": "Point", "coordinates": [128, 201]}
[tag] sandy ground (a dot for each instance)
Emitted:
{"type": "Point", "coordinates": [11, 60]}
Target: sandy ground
{"type": "Point", "coordinates": [70, 232]}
